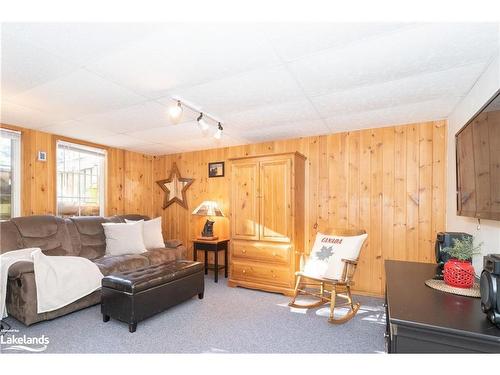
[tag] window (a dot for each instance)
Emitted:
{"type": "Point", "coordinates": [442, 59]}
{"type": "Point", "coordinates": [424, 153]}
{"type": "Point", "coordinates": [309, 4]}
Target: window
{"type": "Point", "coordinates": [10, 174]}
{"type": "Point", "coordinates": [80, 180]}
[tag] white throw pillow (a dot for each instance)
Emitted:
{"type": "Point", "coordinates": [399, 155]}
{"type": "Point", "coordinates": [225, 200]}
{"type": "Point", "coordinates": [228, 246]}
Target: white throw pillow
{"type": "Point", "coordinates": [327, 253]}
{"type": "Point", "coordinates": [152, 233]}
{"type": "Point", "coordinates": [122, 238]}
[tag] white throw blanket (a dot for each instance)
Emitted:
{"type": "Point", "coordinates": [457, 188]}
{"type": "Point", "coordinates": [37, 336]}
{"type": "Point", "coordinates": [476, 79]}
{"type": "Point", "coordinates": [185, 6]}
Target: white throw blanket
{"type": "Point", "coordinates": [60, 280]}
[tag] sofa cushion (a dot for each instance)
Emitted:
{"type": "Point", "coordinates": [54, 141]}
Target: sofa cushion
{"type": "Point", "coordinates": [39, 226]}
{"type": "Point", "coordinates": [160, 255]}
{"type": "Point", "coordinates": [74, 236]}
{"type": "Point", "coordinates": [132, 217]}
{"type": "Point", "coordinates": [173, 243]}
{"type": "Point", "coordinates": [120, 263]}
{"type": "Point", "coordinates": [89, 225]}
{"type": "Point", "coordinates": [180, 251]}
{"type": "Point", "coordinates": [10, 238]}
{"type": "Point", "coordinates": [49, 233]}
{"type": "Point", "coordinates": [88, 235]}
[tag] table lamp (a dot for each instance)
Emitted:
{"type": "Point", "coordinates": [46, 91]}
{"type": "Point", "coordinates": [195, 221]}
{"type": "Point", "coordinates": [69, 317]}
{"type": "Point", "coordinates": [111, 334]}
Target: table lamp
{"type": "Point", "coordinates": [208, 208]}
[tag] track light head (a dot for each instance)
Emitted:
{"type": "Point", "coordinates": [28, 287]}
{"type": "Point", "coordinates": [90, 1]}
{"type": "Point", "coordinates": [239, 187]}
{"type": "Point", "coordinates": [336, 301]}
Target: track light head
{"type": "Point", "coordinates": [175, 111]}
{"type": "Point", "coordinates": [218, 133]}
{"type": "Point", "coordinates": [203, 124]}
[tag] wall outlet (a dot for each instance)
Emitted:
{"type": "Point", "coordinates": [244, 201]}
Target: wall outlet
{"type": "Point", "coordinates": [42, 156]}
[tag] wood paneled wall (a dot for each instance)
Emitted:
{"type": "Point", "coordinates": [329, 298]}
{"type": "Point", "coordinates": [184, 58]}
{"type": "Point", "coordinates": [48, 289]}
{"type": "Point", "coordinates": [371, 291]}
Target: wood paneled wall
{"type": "Point", "coordinates": [389, 181]}
{"type": "Point", "coordinates": [38, 181]}
{"type": "Point", "coordinates": [129, 176]}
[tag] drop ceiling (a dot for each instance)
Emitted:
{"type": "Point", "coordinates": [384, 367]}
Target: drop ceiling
{"type": "Point", "coordinates": [112, 83]}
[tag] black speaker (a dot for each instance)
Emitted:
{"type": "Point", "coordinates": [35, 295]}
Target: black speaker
{"type": "Point", "coordinates": [490, 288]}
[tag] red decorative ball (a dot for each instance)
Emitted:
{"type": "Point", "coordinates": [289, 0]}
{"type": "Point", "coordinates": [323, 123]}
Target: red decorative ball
{"type": "Point", "coordinates": [459, 273]}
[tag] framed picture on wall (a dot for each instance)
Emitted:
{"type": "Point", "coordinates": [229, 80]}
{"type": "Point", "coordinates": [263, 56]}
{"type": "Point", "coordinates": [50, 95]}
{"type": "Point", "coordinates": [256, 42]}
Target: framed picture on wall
{"type": "Point", "coordinates": [216, 169]}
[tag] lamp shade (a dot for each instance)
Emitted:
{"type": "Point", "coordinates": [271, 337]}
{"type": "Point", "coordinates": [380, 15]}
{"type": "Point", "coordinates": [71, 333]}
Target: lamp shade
{"type": "Point", "coordinates": [208, 208]}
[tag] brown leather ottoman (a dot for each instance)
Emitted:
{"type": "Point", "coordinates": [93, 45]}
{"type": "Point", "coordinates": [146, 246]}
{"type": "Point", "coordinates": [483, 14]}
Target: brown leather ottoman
{"type": "Point", "coordinates": [135, 295]}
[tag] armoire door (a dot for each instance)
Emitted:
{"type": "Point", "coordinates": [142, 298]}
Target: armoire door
{"type": "Point", "coordinates": [275, 200]}
{"type": "Point", "coordinates": [245, 207]}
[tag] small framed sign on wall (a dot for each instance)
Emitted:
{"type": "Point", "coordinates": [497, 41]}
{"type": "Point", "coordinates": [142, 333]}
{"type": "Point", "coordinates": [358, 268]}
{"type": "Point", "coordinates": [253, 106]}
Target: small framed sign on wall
{"type": "Point", "coordinates": [42, 156]}
{"type": "Point", "coordinates": [216, 169]}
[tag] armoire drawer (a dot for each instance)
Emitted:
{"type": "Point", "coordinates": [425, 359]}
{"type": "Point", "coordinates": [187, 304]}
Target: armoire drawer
{"type": "Point", "coordinates": [265, 252]}
{"type": "Point", "coordinates": [258, 272]}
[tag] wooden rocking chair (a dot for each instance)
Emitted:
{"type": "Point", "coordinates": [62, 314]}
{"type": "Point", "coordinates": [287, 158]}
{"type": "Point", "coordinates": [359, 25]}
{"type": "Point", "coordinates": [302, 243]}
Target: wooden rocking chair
{"type": "Point", "coordinates": [327, 289]}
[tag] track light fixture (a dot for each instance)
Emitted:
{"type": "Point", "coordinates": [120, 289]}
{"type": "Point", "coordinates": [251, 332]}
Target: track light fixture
{"type": "Point", "coordinates": [203, 124]}
{"type": "Point", "coordinates": [175, 111]}
{"type": "Point", "coordinates": [218, 133]}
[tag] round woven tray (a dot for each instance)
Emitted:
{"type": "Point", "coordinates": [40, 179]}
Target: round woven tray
{"type": "Point", "coordinates": [443, 287]}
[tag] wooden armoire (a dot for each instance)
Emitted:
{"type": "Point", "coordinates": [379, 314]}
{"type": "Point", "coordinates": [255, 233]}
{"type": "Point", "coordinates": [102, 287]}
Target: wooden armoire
{"type": "Point", "coordinates": [267, 221]}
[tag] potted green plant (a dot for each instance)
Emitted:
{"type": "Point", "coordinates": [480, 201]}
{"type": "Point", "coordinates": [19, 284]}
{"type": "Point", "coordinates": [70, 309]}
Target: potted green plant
{"type": "Point", "coordinates": [458, 270]}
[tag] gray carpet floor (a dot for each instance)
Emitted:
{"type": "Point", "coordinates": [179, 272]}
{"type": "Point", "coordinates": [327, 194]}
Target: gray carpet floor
{"type": "Point", "coordinates": [227, 320]}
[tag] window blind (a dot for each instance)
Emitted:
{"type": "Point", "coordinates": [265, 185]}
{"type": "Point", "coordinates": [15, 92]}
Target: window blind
{"type": "Point", "coordinates": [10, 134]}
{"type": "Point", "coordinates": [81, 148]}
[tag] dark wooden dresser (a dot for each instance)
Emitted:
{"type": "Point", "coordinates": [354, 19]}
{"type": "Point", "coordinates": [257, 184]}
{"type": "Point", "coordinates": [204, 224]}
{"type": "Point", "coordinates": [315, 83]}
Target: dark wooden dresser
{"type": "Point", "coordinates": [424, 320]}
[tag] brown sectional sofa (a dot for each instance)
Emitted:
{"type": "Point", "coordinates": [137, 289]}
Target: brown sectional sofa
{"type": "Point", "coordinates": [78, 236]}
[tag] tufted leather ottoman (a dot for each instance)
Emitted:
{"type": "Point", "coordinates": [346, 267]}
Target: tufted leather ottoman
{"type": "Point", "coordinates": [135, 295]}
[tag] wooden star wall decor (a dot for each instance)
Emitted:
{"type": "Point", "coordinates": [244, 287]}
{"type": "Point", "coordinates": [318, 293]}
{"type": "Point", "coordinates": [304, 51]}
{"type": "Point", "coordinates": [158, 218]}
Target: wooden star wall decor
{"type": "Point", "coordinates": [175, 188]}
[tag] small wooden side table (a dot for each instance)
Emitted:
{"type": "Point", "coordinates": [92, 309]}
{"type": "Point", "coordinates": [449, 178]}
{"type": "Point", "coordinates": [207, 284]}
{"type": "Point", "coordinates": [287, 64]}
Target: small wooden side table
{"type": "Point", "coordinates": [221, 244]}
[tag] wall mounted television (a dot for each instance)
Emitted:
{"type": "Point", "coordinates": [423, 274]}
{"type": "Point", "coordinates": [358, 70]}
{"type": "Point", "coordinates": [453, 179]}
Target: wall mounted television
{"type": "Point", "coordinates": [478, 163]}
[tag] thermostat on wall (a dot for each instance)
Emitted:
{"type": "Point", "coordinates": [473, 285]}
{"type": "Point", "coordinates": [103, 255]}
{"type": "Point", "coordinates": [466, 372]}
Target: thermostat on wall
{"type": "Point", "coordinates": [42, 156]}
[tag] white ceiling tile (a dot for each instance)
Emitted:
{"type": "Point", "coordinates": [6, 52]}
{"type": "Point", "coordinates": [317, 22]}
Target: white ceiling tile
{"type": "Point", "coordinates": [25, 66]}
{"type": "Point", "coordinates": [77, 94]}
{"type": "Point", "coordinates": [186, 137]}
{"type": "Point", "coordinates": [171, 134]}
{"type": "Point", "coordinates": [74, 129]}
{"type": "Point", "coordinates": [134, 118]}
{"type": "Point", "coordinates": [155, 149]}
{"type": "Point", "coordinates": [242, 92]}
{"type": "Point", "coordinates": [209, 142]}
{"type": "Point", "coordinates": [404, 114]}
{"type": "Point", "coordinates": [292, 40]}
{"type": "Point", "coordinates": [186, 54]}
{"type": "Point", "coordinates": [448, 83]}
{"type": "Point", "coordinates": [269, 115]}
{"type": "Point", "coordinates": [79, 42]}
{"type": "Point", "coordinates": [412, 51]}
{"type": "Point", "coordinates": [15, 114]}
{"type": "Point", "coordinates": [290, 130]}
{"type": "Point", "coordinates": [122, 141]}
{"type": "Point", "coordinates": [310, 127]}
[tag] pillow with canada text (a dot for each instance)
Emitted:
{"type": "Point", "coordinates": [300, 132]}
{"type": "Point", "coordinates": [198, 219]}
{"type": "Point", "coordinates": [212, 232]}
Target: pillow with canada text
{"type": "Point", "coordinates": [152, 234]}
{"type": "Point", "coordinates": [123, 238]}
{"type": "Point", "coordinates": [325, 260]}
